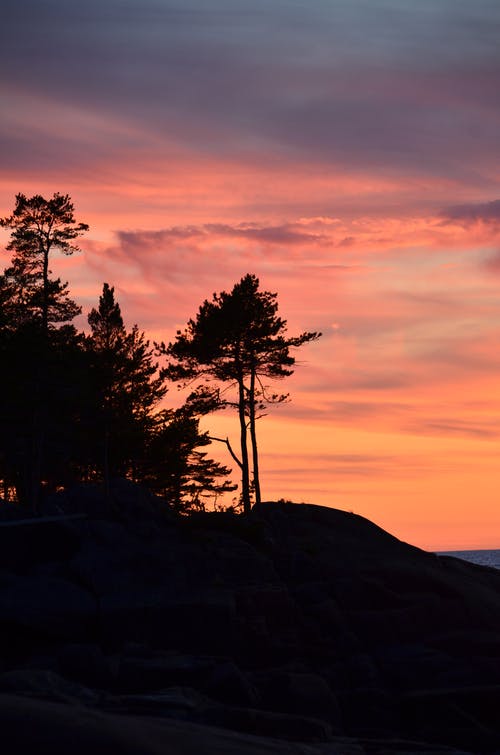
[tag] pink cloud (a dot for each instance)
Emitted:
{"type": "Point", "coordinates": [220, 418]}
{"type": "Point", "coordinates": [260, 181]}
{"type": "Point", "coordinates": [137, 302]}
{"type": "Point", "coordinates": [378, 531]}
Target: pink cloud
{"type": "Point", "coordinates": [492, 263]}
{"type": "Point", "coordinates": [480, 212]}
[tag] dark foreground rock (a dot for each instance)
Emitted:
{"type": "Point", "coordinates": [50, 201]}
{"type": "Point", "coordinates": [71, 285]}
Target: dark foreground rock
{"type": "Point", "coordinates": [129, 630]}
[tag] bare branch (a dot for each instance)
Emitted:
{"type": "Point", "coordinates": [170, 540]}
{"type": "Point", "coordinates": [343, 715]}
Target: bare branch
{"type": "Point", "coordinates": [226, 441]}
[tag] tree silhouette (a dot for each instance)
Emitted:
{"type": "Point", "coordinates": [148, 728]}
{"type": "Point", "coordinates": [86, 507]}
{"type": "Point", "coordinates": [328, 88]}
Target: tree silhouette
{"type": "Point", "coordinates": [40, 387]}
{"type": "Point", "coordinates": [39, 226]}
{"type": "Point", "coordinates": [238, 339]}
{"type": "Point", "coordinates": [176, 467]}
{"type": "Point", "coordinates": [32, 305]}
{"type": "Point", "coordinates": [86, 405]}
{"type": "Point", "coordinates": [124, 387]}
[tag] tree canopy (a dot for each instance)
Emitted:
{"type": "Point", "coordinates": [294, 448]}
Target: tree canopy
{"type": "Point", "coordinates": [238, 338]}
{"type": "Point", "coordinates": [38, 226]}
{"type": "Point", "coordinates": [125, 388]}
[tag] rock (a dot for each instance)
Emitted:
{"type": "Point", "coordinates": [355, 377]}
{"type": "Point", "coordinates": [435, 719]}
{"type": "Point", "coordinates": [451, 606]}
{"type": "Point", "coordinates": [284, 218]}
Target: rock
{"type": "Point", "coordinates": [34, 609]}
{"type": "Point", "coordinates": [295, 728]}
{"type": "Point", "coordinates": [295, 621]}
{"type": "Point", "coordinates": [298, 693]}
{"type": "Point", "coordinates": [269, 627]}
{"type": "Point", "coordinates": [463, 717]}
{"type": "Point", "coordinates": [188, 704]}
{"type": "Point", "coordinates": [87, 664]}
{"type": "Point", "coordinates": [139, 674]}
{"type": "Point", "coordinates": [173, 702]}
{"type": "Point", "coordinates": [25, 543]}
{"type": "Point", "coordinates": [227, 683]}
{"type": "Point", "coordinates": [47, 685]}
{"type": "Point", "coordinates": [126, 501]}
{"type": "Point", "coordinates": [56, 729]}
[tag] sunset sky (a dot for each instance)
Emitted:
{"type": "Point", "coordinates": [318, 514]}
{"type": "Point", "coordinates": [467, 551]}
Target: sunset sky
{"type": "Point", "coordinates": [347, 152]}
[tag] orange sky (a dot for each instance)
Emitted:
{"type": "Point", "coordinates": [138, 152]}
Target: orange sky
{"type": "Point", "coordinates": [349, 158]}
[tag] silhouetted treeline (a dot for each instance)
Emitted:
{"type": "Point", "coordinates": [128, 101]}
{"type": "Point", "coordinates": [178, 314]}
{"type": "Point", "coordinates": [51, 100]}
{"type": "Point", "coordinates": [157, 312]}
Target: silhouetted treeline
{"type": "Point", "coordinates": [88, 406]}
{"type": "Point", "coordinates": [77, 407]}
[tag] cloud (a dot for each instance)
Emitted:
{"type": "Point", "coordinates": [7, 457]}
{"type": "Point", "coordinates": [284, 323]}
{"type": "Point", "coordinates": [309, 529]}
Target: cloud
{"type": "Point", "coordinates": [379, 416]}
{"type": "Point", "coordinates": [345, 465]}
{"type": "Point", "coordinates": [346, 244]}
{"type": "Point", "coordinates": [395, 87]}
{"type": "Point", "coordinates": [492, 263]}
{"type": "Point", "coordinates": [450, 426]}
{"type": "Point", "coordinates": [284, 234]}
{"type": "Point", "coordinates": [174, 269]}
{"type": "Point", "coordinates": [480, 212]}
{"type": "Point", "coordinates": [206, 248]}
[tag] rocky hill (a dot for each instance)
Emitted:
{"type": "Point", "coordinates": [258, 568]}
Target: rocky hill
{"type": "Point", "coordinates": [296, 629]}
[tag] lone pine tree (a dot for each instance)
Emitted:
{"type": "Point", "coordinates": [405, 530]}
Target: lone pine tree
{"type": "Point", "coordinates": [237, 338]}
{"type": "Point", "coordinates": [38, 227]}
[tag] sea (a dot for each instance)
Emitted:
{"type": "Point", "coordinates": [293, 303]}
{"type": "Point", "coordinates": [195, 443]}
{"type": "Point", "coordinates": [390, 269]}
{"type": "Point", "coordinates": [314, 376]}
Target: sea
{"type": "Point", "coordinates": [482, 557]}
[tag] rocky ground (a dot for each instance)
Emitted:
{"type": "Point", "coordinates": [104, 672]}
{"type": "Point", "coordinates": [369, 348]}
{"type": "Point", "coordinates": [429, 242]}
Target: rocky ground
{"type": "Point", "coordinates": [297, 629]}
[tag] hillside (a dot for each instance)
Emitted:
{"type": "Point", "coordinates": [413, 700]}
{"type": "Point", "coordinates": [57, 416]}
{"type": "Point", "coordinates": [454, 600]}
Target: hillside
{"type": "Point", "coordinates": [143, 632]}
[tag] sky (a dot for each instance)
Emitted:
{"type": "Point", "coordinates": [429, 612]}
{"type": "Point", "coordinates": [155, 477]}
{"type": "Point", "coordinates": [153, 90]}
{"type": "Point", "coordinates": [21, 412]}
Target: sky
{"type": "Point", "coordinates": [344, 151]}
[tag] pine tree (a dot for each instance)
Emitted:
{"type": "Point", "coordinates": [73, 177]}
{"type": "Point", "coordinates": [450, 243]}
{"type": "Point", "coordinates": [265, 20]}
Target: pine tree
{"type": "Point", "coordinates": [33, 307]}
{"type": "Point", "coordinates": [124, 389]}
{"type": "Point", "coordinates": [238, 339]}
{"type": "Point", "coordinates": [178, 469]}
{"type": "Point", "coordinates": [38, 227]}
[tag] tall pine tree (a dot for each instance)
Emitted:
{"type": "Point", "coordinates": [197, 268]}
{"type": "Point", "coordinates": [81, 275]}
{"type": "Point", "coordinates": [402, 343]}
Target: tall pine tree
{"type": "Point", "coordinates": [40, 226]}
{"type": "Point", "coordinates": [34, 306]}
{"type": "Point", "coordinates": [239, 340]}
{"type": "Point", "coordinates": [124, 390]}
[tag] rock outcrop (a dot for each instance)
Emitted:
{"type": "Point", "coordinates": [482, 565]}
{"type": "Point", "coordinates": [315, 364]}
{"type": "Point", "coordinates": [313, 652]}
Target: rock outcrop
{"type": "Point", "coordinates": [296, 624]}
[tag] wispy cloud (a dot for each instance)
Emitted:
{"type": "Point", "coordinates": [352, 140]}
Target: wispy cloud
{"type": "Point", "coordinates": [450, 426]}
{"type": "Point", "coordinates": [396, 88]}
{"type": "Point", "coordinates": [484, 212]}
{"type": "Point", "coordinates": [284, 235]}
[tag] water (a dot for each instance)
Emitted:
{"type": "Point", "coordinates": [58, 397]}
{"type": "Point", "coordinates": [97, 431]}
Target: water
{"type": "Point", "coordinates": [482, 557]}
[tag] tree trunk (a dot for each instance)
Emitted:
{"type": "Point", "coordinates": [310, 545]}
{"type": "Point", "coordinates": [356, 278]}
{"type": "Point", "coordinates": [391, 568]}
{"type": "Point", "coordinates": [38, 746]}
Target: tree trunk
{"type": "Point", "coordinates": [38, 430]}
{"type": "Point", "coordinates": [40, 413]}
{"type": "Point", "coordinates": [35, 471]}
{"type": "Point", "coordinates": [45, 302]}
{"type": "Point", "coordinates": [107, 486]}
{"type": "Point", "coordinates": [245, 473]}
{"type": "Point", "coordinates": [253, 436]}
